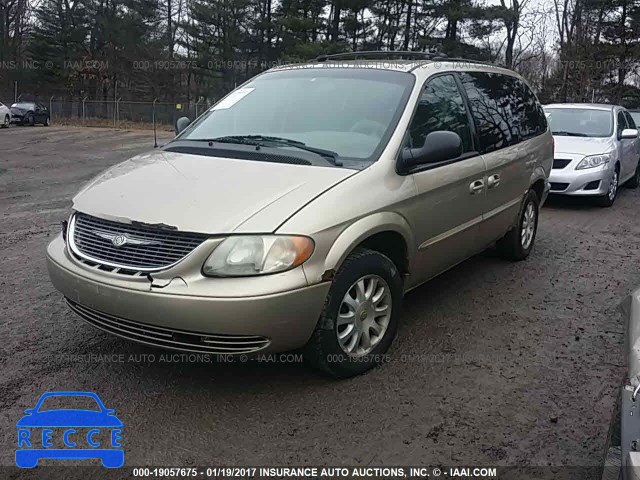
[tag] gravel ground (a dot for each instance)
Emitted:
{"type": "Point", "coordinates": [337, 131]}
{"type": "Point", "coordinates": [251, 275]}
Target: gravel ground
{"type": "Point", "coordinates": [496, 363]}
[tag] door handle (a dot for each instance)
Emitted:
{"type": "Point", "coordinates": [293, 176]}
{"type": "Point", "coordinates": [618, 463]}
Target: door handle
{"type": "Point", "coordinates": [476, 187]}
{"type": "Point", "coordinates": [493, 181]}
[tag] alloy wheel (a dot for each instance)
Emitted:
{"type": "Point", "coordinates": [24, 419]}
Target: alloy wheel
{"type": "Point", "coordinates": [528, 225]}
{"type": "Point", "coordinates": [613, 186]}
{"type": "Point", "coordinates": [364, 315]}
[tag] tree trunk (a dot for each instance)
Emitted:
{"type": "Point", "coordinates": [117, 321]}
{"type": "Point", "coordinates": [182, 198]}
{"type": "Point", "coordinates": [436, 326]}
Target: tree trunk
{"type": "Point", "coordinates": [407, 26]}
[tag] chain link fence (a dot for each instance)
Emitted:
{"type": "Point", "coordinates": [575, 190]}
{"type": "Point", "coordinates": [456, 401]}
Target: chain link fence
{"type": "Point", "coordinates": [122, 113]}
{"type": "Point", "coordinates": [113, 113]}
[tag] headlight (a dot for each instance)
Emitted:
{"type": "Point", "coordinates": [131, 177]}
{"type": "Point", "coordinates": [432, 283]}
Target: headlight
{"type": "Point", "coordinates": [250, 255]}
{"type": "Point", "coordinates": [593, 161]}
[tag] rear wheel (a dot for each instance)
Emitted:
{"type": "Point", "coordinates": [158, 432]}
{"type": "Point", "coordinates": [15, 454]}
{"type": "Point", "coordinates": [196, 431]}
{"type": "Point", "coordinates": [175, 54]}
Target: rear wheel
{"type": "Point", "coordinates": [360, 317]}
{"type": "Point", "coordinates": [47, 122]}
{"type": "Point", "coordinates": [612, 192]}
{"type": "Point", "coordinates": [518, 242]}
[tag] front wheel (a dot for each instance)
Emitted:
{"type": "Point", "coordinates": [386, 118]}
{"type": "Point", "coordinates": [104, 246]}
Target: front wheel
{"type": "Point", "coordinates": [360, 316]}
{"type": "Point", "coordinates": [612, 192]}
{"type": "Point", "coordinates": [7, 122]}
{"type": "Point", "coordinates": [518, 242]}
{"type": "Point", "coordinates": [31, 120]}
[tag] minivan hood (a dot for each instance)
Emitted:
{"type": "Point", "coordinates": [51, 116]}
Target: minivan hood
{"type": "Point", "coordinates": [205, 194]}
{"type": "Point", "coordinates": [582, 145]}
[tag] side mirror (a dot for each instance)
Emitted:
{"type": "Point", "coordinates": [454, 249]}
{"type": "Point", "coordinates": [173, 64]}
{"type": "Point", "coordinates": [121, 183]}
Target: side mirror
{"type": "Point", "coordinates": [181, 124]}
{"type": "Point", "coordinates": [438, 147]}
{"type": "Point", "coordinates": [629, 133]}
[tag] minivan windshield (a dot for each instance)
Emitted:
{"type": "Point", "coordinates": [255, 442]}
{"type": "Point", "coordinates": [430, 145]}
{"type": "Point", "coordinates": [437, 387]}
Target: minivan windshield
{"type": "Point", "coordinates": [350, 112]}
{"type": "Point", "coordinates": [580, 122]}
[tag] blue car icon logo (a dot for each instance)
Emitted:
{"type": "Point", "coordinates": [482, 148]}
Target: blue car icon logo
{"type": "Point", "coordinates": [69, 433]}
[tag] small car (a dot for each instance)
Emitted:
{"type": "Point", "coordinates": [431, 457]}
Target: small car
{"type": "Point", "coordinates": [5, 116]}
{"type": "Point", "coordinates": [597, 149]}
{"type": "Point", "coordinates": [71, 420]}
{"type": "Point", "coordinates": [299, 209]}
{"type": "Point", "coordinates": [30, 113]}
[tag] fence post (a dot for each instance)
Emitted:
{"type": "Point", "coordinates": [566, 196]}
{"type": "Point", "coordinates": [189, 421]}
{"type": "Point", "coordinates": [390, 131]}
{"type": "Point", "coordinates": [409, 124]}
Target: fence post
{"type": "Point", "coordinates": [153, 110]}
{"type": "Point", "coordinates": [118, 111]}
{"type": "Point", "coordinates": [15, 91]}
{"type": "Point", "coordinates": [197, 103]}
{"type": "Point", "coordinates": [84, 99]}
{"type": "Point", "coordinates": [51, 107]}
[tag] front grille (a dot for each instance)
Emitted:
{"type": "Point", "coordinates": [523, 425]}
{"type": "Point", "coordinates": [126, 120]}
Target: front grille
{"type": "Point", "coordinates": [145, 249]}
{"type": "Point", "coordinates": [170, 338]}
{"type": "Point", "coordinates": [558, 187]}
{"type": "Point", "coordinates": [560, 163]}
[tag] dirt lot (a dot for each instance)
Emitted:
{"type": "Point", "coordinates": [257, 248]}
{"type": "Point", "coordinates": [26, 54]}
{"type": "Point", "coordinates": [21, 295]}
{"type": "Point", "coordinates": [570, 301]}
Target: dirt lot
{"type": "Point", "coordinates": [496, 363]}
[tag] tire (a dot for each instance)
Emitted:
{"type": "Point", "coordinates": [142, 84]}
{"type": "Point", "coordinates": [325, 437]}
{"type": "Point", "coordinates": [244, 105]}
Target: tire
{"type": "Point", "coordinates": [609, 198]}
{"type": "Point", "coordinates": [635, 180]}
{"type": "Point", "coordinates": [31, 120]}
{"type": "Point", "coordinates": [324, 351]}
{"type": "Point", "coordinates": [513, 245]}
{"type": "Point", "coordinates": [47, 122]}
{"type": "Point", "coordinates": [7, 122]}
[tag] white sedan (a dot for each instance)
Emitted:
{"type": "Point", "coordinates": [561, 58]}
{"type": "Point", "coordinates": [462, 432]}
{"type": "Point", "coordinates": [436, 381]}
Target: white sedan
{"type": "Point", "coordinates": [5, 116]}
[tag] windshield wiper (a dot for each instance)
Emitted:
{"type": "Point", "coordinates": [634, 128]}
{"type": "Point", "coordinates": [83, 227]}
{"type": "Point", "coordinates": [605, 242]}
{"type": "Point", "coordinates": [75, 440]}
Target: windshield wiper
{"type": "Point", "coordinates": [262, 140]}
{"type": "Point", "coordinates": [569, 134]}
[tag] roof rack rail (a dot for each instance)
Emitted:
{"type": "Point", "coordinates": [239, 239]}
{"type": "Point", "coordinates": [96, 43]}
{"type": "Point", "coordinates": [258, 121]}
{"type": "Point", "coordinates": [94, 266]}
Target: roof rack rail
{"type": "Point", "coordinates": [469, 60]}
{"type": "Point", "coordinates": [382, 55]}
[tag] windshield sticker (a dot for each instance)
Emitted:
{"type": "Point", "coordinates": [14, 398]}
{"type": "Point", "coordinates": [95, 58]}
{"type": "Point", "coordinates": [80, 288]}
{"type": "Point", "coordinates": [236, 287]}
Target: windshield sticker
{"type": "Point", "coordinates": [233, 98]}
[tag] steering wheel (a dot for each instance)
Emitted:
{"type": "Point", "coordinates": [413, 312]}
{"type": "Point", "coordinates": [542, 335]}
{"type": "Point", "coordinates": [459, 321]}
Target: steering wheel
{"type": "Point", "coordinates": [368, 127]}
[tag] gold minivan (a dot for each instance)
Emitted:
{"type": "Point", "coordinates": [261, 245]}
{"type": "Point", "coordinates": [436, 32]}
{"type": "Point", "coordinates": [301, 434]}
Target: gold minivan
{"type": "Point", "coordinates": [297, 211]}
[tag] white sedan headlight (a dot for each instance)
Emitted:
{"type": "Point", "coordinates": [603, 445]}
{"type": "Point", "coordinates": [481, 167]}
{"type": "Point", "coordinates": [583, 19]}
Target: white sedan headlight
{"type": "Point", "coordinates": [593, 161]}
{"type": "Point", "coordinates": [250, 255]}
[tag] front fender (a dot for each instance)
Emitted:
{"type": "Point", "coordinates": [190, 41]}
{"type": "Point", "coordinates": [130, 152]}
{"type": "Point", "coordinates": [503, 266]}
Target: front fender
{"type": "Point", "coordinates": [354, 235]}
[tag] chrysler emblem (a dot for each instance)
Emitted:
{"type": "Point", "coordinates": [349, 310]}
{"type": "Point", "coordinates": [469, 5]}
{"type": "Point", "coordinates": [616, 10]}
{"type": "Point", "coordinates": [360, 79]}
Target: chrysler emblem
{"type": "Point", "coordinates": [119, 240]}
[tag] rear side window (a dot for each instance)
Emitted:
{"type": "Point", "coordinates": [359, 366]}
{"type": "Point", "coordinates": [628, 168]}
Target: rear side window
{"type": "Point", "coordinates": [491, 107]}
{"type": "Point", "coordinates": [532, 118]}
{"type": "Point", "coordinates": [504, 109]}
{"type": "Point", "coordinates": [441, 108]}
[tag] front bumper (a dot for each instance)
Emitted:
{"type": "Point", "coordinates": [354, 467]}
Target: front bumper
{"type": "Point", "coordinates": [16, 119]}
{"type": "Point", "coordinates": [174, 317]}
{"type": "Point", "coordinates": [568, 181]}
